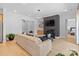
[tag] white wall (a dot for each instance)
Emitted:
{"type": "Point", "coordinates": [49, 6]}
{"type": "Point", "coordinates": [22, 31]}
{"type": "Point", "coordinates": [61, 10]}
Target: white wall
{"type": "Point", "coordinates": [71, 23]}
{"type": "Point", "coordinates": [77, 26]}
{"type": "Point", "coordinates": [29, 26]}
{"type": "Point", "coordinates": [40, 21]}
{"type": "Point", "coordinates": [32, 24]}
{"type": "Point", "coordinates": [13, 22]}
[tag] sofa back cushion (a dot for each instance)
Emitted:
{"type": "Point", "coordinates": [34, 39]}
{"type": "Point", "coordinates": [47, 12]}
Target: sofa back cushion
{"type": "Point", "coordinates": [32, 38]}
{"type": "Point", "coordinates": [35, 39]}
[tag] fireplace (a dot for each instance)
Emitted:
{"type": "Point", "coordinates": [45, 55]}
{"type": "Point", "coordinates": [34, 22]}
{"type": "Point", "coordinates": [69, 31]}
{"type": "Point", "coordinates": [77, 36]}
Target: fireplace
{"type": "Point", "coordinates": [52, 25]}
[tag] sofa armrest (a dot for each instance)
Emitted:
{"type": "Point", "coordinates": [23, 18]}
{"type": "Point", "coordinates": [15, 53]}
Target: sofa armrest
{"type": "Point", "coordinates": [45, 43]}
{"type": "Point", "coordinates": [45, 47]}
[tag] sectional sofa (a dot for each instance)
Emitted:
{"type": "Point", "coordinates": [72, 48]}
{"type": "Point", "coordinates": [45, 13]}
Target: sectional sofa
{"type": "Point", "coordinates": [33, 45]}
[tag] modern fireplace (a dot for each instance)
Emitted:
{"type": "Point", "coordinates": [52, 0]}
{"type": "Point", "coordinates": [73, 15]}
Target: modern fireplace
{"type": "Point", "coordinates": [50, 22]}
{"type": "Point", "coordinates": [52, 25]}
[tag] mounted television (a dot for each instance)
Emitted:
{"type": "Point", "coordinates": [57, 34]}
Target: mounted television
{"type": "Point", "coordinates": [50, 23]}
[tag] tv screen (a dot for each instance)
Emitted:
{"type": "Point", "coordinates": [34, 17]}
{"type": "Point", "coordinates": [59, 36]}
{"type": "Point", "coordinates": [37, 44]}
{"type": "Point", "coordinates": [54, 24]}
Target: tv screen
{"type": "Point", "coordinates": [50, 23]}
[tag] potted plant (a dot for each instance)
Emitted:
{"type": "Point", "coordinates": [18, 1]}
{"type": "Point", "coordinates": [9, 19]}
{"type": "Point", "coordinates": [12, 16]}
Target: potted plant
{"type": "Point", "coordinates": [10, 36]}
{"type": "Point", "coordinates": [60, 54]}
{"type": "Point", "coordinates": [73, 53]}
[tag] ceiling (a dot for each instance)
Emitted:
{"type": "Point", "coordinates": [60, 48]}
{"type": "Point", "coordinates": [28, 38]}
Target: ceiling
{"type": "Point", "coordinates": [46, 9]}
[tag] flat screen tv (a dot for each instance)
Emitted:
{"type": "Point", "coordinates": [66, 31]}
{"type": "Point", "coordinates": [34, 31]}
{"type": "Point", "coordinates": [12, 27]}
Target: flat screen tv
{"type": "Point", "coordinates": [50, 23]}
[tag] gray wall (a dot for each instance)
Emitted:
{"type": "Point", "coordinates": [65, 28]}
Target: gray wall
{"type": "Point", "coordinates": [56, 28]}
{"type": "Point", "coordinates": [63, 17]}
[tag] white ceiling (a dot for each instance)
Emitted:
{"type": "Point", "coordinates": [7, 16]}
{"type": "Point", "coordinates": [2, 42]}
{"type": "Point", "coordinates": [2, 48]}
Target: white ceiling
{"type": "Point", "coordinates": [46, 9]}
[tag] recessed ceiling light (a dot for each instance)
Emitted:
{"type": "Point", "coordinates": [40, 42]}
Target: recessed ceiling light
{"type": "Point", "coordinates": [14, 11]}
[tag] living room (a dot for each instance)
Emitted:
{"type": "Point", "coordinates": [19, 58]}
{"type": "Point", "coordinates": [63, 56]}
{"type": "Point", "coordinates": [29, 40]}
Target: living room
{"type": "Point", "coordinates": [38, 20]}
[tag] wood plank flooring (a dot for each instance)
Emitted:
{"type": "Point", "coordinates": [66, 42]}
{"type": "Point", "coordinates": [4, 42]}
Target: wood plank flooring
{"type": "Point", "coordinates": [71, 38]}
{"type": "Point", "coordinates": [10, 48]}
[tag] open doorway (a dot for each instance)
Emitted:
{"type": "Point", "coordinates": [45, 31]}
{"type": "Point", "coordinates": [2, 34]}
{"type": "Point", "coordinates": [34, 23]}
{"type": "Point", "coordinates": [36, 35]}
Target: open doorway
{"type": "Point", "coordinates": [71, 30]}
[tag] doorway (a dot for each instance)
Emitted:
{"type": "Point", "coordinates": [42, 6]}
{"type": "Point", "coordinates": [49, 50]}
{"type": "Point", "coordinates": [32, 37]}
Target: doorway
{"type": "Point", "coordinates": [71, 30]}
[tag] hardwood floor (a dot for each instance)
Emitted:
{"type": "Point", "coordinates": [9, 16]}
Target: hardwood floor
{"type": "Point", "coordinates": [10, 48]}
{"type": "Point", "coordinates": [71, 38]}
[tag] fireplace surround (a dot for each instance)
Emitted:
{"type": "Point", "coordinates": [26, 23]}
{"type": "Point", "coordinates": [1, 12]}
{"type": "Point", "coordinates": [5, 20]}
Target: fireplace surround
{"type": "Point", "coordinates": [54, 26]}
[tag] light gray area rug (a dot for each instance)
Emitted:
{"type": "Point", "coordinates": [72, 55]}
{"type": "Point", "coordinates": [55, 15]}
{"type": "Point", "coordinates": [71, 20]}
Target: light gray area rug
{"type": "Point", "coordinates": [62, 46]}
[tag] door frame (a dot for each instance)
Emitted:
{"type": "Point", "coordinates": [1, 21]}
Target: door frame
{"type": "Point", "coordinates": [66, 22]}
